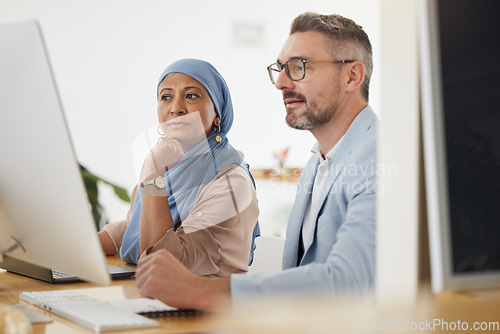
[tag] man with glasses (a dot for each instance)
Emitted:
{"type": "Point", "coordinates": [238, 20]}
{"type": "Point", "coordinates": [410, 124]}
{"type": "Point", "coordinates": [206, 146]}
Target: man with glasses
{"type": "Point", "coordinates": [323, 71]}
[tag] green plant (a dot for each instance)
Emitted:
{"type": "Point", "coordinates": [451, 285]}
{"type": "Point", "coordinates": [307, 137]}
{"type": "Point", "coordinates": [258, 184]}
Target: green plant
{"type": "Point", "coordinates": [91, 185]}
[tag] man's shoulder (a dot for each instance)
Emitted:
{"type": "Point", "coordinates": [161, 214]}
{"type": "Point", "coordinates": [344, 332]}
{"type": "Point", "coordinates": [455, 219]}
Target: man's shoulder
{"type": "Point", "coordinates": [365, 122]}
{"type": "Point", "coordinates": [357, 157]}
{"type": "Point", "coordinates": [361, 137]}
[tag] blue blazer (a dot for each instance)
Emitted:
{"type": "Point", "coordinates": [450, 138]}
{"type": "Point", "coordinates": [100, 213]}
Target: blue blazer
{"type": "Point", "coordinates": [340, 258]}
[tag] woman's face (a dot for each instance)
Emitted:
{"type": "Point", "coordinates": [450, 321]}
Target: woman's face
{"type": "Point", "coordinates": [185, 110]}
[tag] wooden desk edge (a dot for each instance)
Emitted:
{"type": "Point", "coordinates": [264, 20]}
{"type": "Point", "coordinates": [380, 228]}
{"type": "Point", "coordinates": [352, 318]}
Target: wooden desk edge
{"type": "Point", "coordinates": [11, 285]}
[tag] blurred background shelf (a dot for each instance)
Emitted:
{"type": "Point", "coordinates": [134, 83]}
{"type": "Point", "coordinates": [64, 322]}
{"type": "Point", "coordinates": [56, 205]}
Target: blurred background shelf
{"type": "Point", "coordinates": [288, 174]}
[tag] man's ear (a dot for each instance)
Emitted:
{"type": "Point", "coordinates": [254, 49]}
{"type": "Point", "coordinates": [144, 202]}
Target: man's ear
{"type": "Point", "coordinates": [355, 75]}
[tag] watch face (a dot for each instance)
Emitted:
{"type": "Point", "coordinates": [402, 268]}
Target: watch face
{"type": "Point", "coordinates": [160, 182]}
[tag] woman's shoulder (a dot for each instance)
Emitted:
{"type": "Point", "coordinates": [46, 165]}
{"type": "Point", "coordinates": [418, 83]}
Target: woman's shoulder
{"type": "Point", "coordinates": [234, 178]}
{"type": "Point", "coordinates": [235, 170]}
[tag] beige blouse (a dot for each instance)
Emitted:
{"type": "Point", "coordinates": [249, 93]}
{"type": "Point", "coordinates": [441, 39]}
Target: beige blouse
{"type": "Point", "coordinates": [215, 238]}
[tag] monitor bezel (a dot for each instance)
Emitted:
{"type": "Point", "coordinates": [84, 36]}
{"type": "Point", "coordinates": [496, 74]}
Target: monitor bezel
{"type": "Point", "coordinates": [43, 197]}
{"type": "Point", "coordinates": [435, 163]}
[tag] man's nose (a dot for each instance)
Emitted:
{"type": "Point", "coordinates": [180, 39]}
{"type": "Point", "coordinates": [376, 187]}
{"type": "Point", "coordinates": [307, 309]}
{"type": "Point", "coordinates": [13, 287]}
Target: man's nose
{"type": "Point", "coordinates": [283, 81]}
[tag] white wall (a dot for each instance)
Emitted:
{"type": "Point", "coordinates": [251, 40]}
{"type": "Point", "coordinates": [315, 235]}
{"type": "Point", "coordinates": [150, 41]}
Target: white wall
{"type": "Point", "coordinates": [398, 148]}
{"type": "Point", "coordinates": [107, 56]}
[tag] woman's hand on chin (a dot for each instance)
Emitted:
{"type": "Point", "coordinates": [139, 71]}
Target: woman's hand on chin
{"type": "Point", "coordinates": [165, 155]}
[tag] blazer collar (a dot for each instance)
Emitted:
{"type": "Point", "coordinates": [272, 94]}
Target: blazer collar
{"type": "Point", "coordinates": [360, 125]}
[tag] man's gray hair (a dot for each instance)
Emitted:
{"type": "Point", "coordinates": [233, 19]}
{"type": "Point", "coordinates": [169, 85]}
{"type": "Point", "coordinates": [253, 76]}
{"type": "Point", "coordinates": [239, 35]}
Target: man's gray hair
{"type": "Point", "coordinates": [350, 41]}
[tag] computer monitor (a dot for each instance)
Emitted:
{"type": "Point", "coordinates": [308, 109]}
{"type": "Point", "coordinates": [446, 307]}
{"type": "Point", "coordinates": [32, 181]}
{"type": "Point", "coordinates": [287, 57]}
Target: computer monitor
{"type": "Point", "coordinates": [460, 97]}
{"type": "Point", "coordinates": [42, 195]}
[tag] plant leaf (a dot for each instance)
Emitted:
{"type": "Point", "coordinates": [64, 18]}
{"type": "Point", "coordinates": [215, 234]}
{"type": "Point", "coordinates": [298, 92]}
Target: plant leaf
{"type": "Point", "coordinates": [91, 180]}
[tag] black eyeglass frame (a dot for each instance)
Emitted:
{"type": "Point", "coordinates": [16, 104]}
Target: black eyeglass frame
{"type": "Point", "coordinates": [304, 61]}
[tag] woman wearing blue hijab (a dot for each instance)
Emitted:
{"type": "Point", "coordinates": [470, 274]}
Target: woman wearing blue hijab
{"type": "Point", "coordinates": [196, 196]}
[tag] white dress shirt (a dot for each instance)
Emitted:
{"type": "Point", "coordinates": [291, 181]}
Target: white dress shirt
{"type": "Point", "coordinates": [318, 190]}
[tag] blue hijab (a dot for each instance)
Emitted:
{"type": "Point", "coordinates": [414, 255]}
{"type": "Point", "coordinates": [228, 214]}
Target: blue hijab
{"type": "Point", "coordinates": [199, 165]}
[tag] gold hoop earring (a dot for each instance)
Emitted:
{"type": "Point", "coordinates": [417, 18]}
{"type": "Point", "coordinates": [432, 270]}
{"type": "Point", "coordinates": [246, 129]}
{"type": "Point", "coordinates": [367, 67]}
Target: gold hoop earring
{"type": "Point", "coordinates": [217, 137]}
{"type": "Point", "coordinates": [159, 132]}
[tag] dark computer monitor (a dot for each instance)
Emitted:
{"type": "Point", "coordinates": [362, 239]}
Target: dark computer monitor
{"type": "Point", "coordinates": [460, 87]}
{"type": "Point", "coordinates": [44, 209]}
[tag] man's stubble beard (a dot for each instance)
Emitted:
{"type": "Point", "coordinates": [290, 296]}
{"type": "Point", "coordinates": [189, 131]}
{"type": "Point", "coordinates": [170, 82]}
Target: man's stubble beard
{"type": "Point", "coordinates": [309, 120]}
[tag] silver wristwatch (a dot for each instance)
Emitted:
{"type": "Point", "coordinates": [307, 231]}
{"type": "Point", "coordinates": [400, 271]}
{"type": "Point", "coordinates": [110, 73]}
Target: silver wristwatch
{"type": "Point", "coordinates": [158, 181]}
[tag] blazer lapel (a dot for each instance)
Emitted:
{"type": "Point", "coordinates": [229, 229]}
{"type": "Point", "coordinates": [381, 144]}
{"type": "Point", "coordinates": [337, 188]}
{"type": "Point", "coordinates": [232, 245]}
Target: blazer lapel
{"type": "Point", "coordinates": [333, 173]}
{"type": "Point", "coordinates": [297, 213]}
{"type": "Point", "coordinates": [360, 125]}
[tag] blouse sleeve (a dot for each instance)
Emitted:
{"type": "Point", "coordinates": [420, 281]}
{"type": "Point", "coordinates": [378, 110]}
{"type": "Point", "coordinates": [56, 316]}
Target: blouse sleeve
{"type": "Point", "coordinates": [116, 230]}
{"type": "Point", "coordinates": [216, 237]}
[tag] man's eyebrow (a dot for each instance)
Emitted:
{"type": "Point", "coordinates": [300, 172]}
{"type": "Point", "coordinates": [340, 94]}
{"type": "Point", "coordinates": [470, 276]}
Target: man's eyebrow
{"type": "Point", "coordinates": [291, 58]}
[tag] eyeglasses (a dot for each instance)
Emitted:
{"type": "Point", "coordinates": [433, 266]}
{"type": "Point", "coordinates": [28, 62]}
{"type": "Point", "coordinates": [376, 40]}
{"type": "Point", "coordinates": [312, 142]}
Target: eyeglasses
{"type": "Point", "coordinates": [296, 68]}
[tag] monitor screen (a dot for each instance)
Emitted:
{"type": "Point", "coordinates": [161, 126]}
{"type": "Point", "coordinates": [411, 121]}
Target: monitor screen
{"type": "Point", "coordinates": [460, 95]}
{"type": "Point", "coordinates": [44, 206]}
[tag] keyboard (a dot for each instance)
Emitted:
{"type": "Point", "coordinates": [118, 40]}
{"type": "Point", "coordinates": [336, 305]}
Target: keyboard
{"type": "Point", "coordinates": [56, 274]}
{"type": "Point", "coordinates": [87, 311]}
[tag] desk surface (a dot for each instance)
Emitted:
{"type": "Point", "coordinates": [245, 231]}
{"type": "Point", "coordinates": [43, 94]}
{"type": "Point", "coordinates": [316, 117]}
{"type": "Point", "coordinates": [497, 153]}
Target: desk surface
{"type": "Point", "coordinates": [285, 316]}
{"type": "Point", "coordinates": [12, 284]}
